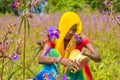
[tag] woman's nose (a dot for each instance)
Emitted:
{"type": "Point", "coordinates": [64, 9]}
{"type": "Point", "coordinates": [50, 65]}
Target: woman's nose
{"type": "Point", "coordinates": [71, 32]}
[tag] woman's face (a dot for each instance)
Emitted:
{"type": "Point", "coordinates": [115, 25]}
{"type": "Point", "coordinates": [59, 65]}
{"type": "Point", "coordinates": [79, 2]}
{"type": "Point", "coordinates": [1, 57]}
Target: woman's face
{"type": "Point", "coordinates": [71, 32]}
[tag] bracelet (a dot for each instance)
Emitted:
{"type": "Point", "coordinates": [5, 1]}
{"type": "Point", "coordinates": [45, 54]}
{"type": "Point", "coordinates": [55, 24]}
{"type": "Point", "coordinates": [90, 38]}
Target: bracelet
{"type": "Point", "coordinates": [58, 59]}
{"type": "Point", "coordinates": [78, 57]}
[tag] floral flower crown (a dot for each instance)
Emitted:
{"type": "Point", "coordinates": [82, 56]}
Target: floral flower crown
{"type": "Point", "coordinates": [53, 32]}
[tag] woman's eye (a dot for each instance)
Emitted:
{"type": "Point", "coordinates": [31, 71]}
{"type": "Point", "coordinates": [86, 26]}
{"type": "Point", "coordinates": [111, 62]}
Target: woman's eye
{"type": "Point", "coordinates": [74, 29]}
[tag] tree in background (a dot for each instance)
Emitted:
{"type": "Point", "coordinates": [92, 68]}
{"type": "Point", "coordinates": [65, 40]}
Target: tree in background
{"type": "Point", "coordinates": [5, 6]}
{"type": "Point", "coordinates": [80, 5]}
{"type": "Point", "coordinates": [50, 6]}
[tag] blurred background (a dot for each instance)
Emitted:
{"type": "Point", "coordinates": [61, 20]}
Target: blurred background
{"type": "Point", "coordinates": [52, 6]}
{"type": "Point", "coordinates": [100, 20]}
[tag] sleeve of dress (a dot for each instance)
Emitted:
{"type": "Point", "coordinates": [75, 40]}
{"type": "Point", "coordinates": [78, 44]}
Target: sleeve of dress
{"type": "Point", "coordinates": [86, 69]}
{"type": "Point", "coordinates": [83, 43]}
{"type": "Point", "coordinates": [86, 41]}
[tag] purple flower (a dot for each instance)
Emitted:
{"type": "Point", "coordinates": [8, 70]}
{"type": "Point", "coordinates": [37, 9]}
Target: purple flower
{"type": "Point", "coordinates": [64, 77]}
{"type": "Point", "coordinates": [53, 32]}
{"type": "Point", "coordinates": [0, 43]}
{"type": "Point", "coordinates": [45, 75]}
{"type": "Point", "coordinates": [107, 3]}
{"type": "Point", "coordinates": [6, 44]}
{"type": "Point", "coordinates": [15, 57]}
{"type": "Point", "coordinates": [45, 1]}
{"type": "Point", "coordinates": [77, 37]}
{"type": "Point", "coordinates": [118, 17]}
{"type": "Point", "coordinates": [13, 5]}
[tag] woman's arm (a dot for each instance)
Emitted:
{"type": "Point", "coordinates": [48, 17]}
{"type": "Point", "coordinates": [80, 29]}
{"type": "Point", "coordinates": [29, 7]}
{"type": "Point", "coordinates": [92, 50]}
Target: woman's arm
{"type": "Point", "coordinates": [90, 51]}
{"type": "Point", "coordinates": [50, 60]}
{"type": "Point", "coordinates": [44, 59]}
{"type": "Point", "coordinates": [47, 60]}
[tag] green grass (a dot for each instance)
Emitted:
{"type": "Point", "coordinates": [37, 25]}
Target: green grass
{"type": "Point", "coordinates": [106, 40]}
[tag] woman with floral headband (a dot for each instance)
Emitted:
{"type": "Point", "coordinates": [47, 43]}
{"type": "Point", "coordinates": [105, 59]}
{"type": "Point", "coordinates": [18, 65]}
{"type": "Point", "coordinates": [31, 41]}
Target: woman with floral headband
{"type": "Point", "coordinates": [70, 27]}
{"type": "Point", "coordinates": [49, 57]}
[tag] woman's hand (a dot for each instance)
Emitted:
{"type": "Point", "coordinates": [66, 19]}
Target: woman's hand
{"type": "Point", "coordinates": [69, 64]}
{"type": "Point", "coordinates": [66, 62]}
{"type": "Point", "coordinates": [86, 52]}
{"type": "Point", "coordinates": [94, 55]}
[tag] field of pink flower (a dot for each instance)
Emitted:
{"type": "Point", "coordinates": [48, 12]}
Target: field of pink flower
{"type": "Point", "coordinates": [103, 31]}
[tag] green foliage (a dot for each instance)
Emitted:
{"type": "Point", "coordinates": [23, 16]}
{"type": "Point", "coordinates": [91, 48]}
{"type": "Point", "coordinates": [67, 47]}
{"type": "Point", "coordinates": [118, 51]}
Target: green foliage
{"type": "Point", "coordinates": [101, 29]}
{"type": "Point", "coordinates": [62, 5]}
{"type": "Point", "coordinates": [79, 5]}
{"type": "Point", "coordinates": [5, 6]}
{"type": "Point", "coordinates": [116, 5]}
{"type": "Point", "coordinates": [66, 5]}
{"type": "Point", "coordinates": [96, 5]}
{"type": "Point", "coordinates": [107, 69]}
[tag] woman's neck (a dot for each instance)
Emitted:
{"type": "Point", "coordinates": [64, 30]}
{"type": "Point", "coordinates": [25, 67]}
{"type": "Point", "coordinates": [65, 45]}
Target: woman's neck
{"type": "Point", "coordinates": [66, 41]}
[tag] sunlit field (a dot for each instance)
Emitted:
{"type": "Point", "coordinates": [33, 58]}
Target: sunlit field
{"type": "Point", "coordinates": [103, 31]}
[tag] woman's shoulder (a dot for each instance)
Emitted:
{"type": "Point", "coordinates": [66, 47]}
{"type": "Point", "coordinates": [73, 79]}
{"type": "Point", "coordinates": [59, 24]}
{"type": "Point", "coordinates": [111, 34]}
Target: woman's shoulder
{"type": "Point", "coordinates": [83, 36]}
{"type": "Point", "coordinates": [84, 40]}
{"type": "Point", "coordinates": [55, 53]}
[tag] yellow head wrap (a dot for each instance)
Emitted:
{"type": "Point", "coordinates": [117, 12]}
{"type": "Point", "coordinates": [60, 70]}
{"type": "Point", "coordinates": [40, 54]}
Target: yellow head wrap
{"type": "Point", "coordinates": [67, 21]}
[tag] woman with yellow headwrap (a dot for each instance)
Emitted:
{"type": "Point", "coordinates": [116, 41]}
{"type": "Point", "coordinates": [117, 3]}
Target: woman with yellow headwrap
{"type": "Point", "coordinates": [70, 27]}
